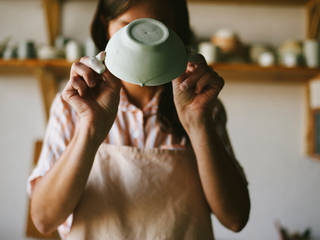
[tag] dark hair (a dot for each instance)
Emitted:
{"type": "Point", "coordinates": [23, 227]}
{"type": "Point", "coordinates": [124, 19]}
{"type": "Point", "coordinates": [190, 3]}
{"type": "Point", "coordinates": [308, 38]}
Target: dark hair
{"type": "Point", "coordinates": [110, 9]}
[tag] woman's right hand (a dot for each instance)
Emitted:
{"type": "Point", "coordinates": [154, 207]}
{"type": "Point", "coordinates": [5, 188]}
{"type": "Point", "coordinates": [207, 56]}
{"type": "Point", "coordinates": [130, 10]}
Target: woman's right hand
{"type": "Point", "coordinates": [94, 97]}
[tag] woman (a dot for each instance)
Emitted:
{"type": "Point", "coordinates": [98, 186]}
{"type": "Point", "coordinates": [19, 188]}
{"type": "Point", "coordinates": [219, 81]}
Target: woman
{"type": "Point", "coordinates": [131, 162]}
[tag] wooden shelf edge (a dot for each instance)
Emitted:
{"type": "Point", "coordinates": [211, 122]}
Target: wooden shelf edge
{"type": "Point", "coordinates": [249, 72]}
{"type": "Point", "coordinates": [256, 2]}
{"type": "Point", "coordinates": [222, 66]}
{"type": "Point", "coordinates": [257, 68]}
{"type": "Point", "coordinates": [239, 2]}
{"type": "Point", "coordinates": [314, 157]}
{"type": "Point", "coordinates": [61, 67]}
{"type": "Point", "coordinates": [35, 63]}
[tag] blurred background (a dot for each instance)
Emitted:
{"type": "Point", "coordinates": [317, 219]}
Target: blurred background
{"type": "Point", "coordinates": [268, 53]}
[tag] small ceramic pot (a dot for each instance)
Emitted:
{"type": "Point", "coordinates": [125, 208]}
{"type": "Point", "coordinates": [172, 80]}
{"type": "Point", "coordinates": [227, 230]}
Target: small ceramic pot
{"type": "Point", "coordinates": [292, 46]}
{"type": "Point", "coordinates": [289, 59]}
{"type": "Point", "coordinates": [73, 51]}
{"type": "Point", "coordinates": [255, 52]}
{"type": "Point", "coordinates": [10, 52]}
{"type": "Point", "coordinates": [26, 49]}
{"type": "Point", "coordinates": [61, 42]}
{"type": "Point", "coordinates": [48, 52]}
{"type": "Point", "coordinates": [209, 51]}
{"type": "Point", "coordinates": [227, 40]}
{"type": "Point", "coordinates": [90, 49]}
{"type": "Point", "coordinates": [311, 50]}
{"type": "Point", "coordinates": [267, 59]}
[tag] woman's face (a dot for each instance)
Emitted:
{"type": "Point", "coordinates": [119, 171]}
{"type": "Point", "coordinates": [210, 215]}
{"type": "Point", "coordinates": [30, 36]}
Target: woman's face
{"type": "Point", "coordinates": [145, 9]}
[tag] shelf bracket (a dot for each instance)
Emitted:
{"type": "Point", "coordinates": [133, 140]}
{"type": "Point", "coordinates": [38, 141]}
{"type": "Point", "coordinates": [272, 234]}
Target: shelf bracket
{"type": "Point", "coordinates": [52, 12]}
{"type": "Point", "coordinates": [48, 85]}
{"type": "Point", "coordinates": [313, 19]}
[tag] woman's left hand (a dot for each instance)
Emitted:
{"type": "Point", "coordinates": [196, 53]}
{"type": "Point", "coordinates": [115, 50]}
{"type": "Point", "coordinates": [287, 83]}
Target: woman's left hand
{"type": "Point", "coordinates": [195, 93]}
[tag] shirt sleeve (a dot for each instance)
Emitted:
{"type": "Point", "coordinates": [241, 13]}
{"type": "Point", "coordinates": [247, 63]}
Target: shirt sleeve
{"type": "Point", "coordinates": [58, 134]}
{"type": "Point", "coordinates": [220, 120]}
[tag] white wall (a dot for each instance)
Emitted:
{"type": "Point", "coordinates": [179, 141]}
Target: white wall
{"type": "Point", "coordinates": [253, 23]}
{"type": "Point", "coordinates": [22, 119]}
{"type": "Point", "coordinates": [266, 123]}
{"type": "Point", "coordinates": [266, 120]}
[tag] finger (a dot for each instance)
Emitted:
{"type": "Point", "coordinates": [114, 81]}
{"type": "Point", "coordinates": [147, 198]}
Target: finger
{"type": "Point", "coordinates": [79, 85]}
{"type": "Point", "coordinates": [210, 78]}
{"type": "Point", "coordinates": [191, 67]}
{"type": "Point", "coordinates": [197, 59]}
{"type": "Point", "coordinates": [192, 79]}
{"type": "Point", "coordinates": [95, 64]}
{"type": "Point", "coordinates": [77, 103]}
{"type": "Point", "coordinates": [212, 92]}
{"type": "Point", "coordinates": [215, 88]}
{"type": "Point", "coordinates": [177, 81]}
{"type": "Point", "coordinates": [90, 77]}
{"type": "Point", "coordinates": [219, 80]}
{"type": "Point", "coordinates": [204, 82]}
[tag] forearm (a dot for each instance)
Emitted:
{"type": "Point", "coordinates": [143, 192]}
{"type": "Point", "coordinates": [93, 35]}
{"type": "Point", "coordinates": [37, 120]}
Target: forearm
{"type": "Point", "coordinates": [56, 195]}
{"type": "Point", "coordinates": [223, 185]}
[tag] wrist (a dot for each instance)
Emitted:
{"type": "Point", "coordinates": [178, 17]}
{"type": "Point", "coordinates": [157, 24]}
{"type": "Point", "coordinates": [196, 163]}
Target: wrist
{"type": "Point", "coordinates": [204, 135]}
{"type": "Point", "coordinates": [91, 133]}
{"type": "Point", "coordinates": [197, 134]}
{"type": "Point", "coordinates": [198, 125]}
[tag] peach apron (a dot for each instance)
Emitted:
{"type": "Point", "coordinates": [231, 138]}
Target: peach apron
{"type": "Point", "coordinates": [142, 194]}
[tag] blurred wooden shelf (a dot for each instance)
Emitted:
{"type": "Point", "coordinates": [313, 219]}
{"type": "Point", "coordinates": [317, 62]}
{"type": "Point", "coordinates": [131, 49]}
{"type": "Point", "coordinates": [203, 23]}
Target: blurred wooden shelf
{"type": "Point", "coordinates": [254, 2]}
{"type": "Point", "coordinates": [256, 68]}
{"type": "Point", "coordinates": [241, 71]}
{"type": "Point", "coordinates": [35, 63]}
{"type": "Point", "coordinates": [256, 73]}
{"type": "Point", "coordinates": [60, 67]}
{"type": "Point", "coordinates": [264, 2]}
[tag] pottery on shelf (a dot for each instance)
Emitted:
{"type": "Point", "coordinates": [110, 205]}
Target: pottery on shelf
{"type": "Point", "coordinates": [227, 40]}
{"type": "Point", "coordinates": [210, 52]}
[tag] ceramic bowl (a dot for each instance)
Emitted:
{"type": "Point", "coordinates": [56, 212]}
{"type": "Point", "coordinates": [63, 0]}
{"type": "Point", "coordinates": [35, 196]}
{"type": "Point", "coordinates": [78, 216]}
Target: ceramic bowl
{"type": "Point", "coordinates": [146, 52]}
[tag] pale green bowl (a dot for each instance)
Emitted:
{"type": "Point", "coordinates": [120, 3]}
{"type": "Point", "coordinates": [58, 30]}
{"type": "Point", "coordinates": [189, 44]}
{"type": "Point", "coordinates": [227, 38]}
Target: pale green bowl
{"type": "Point", "coordinates": [146, 53]}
